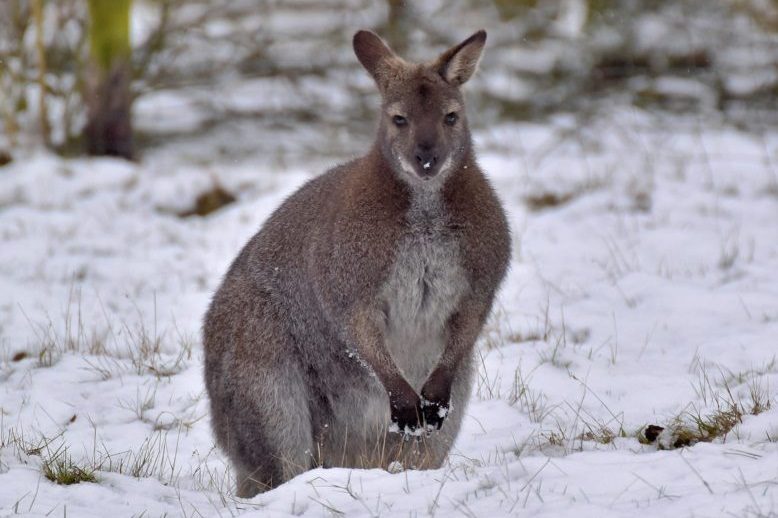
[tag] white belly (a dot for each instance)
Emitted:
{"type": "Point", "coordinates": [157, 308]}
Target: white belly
{"type": "Point", "coordinates": [424, 288]}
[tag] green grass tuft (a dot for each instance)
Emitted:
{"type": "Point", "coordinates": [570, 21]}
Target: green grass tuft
{"type": "Point", "coordinates": [62, 470]}
{"type": "Point", "coordinates": [695, 428]}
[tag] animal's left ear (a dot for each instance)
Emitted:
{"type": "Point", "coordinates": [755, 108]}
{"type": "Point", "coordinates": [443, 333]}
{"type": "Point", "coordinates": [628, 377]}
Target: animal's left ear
{"type": "Point", "coordinates": [458, 63]}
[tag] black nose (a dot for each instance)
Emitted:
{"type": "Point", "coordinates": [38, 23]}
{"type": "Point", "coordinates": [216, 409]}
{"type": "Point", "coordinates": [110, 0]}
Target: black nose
{"type": "Point", "coordinates": [426, 157]}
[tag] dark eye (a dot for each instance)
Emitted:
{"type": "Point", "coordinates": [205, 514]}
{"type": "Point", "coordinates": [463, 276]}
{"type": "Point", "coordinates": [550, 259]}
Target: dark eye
{"type": "Point", "coordinates": [399, 120]}
{"type": "Point", "coordinates": [451, 118]}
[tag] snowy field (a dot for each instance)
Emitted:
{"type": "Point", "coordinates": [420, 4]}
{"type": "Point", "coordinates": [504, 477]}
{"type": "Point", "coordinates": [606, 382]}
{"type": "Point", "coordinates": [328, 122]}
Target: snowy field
{"type": "Point", "coordinates": [643, 291]}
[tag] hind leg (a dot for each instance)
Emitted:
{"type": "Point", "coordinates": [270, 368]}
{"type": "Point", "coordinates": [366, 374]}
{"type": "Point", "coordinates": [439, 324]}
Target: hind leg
{"type": "Point", "coordinates": [270, 438]}
{"type": "Point", "coordinates": [259, 397]}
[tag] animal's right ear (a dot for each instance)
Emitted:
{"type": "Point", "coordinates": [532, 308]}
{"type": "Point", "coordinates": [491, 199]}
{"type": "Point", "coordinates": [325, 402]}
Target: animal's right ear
{"type": "Point", "coordinates": [376, 57]}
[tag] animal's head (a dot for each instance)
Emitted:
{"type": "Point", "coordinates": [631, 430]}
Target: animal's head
{"type": "Point", "coordinates": [423, 130]}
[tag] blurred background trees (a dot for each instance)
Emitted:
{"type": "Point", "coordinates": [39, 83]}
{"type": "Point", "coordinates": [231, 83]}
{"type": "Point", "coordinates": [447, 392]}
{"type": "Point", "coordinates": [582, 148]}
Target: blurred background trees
{"type": "Point", "coordinates": [263, 67]}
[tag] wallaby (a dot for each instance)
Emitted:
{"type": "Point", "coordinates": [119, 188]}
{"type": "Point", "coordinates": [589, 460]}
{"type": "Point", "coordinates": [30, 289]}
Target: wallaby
{"type": "Point", "coordinates": [354, 311]}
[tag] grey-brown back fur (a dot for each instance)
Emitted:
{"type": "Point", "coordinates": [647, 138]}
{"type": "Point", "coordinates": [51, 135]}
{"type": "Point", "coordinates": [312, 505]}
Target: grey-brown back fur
{"type": "Point", "coordinates": [359, 301]}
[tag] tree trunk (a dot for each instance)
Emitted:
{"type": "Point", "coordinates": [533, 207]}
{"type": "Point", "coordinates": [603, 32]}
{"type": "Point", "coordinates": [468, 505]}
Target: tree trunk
{"type": "Point", "coordinates": [397, 26]}
{"type": "Point", "coordinates": [40, 49]}
{"type": "Point", "coordinates": [108, 98]}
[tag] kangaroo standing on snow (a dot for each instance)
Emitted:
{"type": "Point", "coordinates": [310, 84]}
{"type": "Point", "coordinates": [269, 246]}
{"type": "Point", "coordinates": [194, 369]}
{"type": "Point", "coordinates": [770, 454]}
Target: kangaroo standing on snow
{"type": "Point", "coordinates": [353, 313]}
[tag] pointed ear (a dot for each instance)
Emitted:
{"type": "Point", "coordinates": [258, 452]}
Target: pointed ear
{"type": "Point", "coordinates": [376, 57]}
{"type": "Point", "coordinates": [458, 63]}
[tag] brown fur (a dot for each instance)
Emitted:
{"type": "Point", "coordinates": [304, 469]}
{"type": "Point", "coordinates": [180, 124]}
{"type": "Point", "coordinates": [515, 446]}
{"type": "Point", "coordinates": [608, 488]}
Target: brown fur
{"type": "Point", "coordinates": [359, 302]}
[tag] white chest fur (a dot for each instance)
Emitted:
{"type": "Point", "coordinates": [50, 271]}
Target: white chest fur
{"type": "Point", "coordinates": [425, 285]}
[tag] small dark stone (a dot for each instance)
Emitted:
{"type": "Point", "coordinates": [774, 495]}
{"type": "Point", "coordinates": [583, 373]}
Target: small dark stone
{"type": "Point", "coordinates": [546, 200]}
{"type": "Point", "coordinates": [209, 201]}
{"type": "Point", "coordinates": [5, 157]}
{"type": "Point", "coordinates": [652, 432]}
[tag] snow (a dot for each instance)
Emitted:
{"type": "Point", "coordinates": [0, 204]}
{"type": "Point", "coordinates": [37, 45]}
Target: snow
{"type": "Point", "coordinates": [643, 290]}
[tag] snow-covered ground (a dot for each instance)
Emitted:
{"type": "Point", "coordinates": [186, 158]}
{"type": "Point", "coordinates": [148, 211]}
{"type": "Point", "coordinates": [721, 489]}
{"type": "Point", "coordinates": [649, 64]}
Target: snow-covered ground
{"type": "Point", "coordinates": [643, 291]}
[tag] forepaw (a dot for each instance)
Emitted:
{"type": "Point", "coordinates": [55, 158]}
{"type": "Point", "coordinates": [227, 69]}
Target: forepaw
{"type": "Point", "coordinates": [434, 413]}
